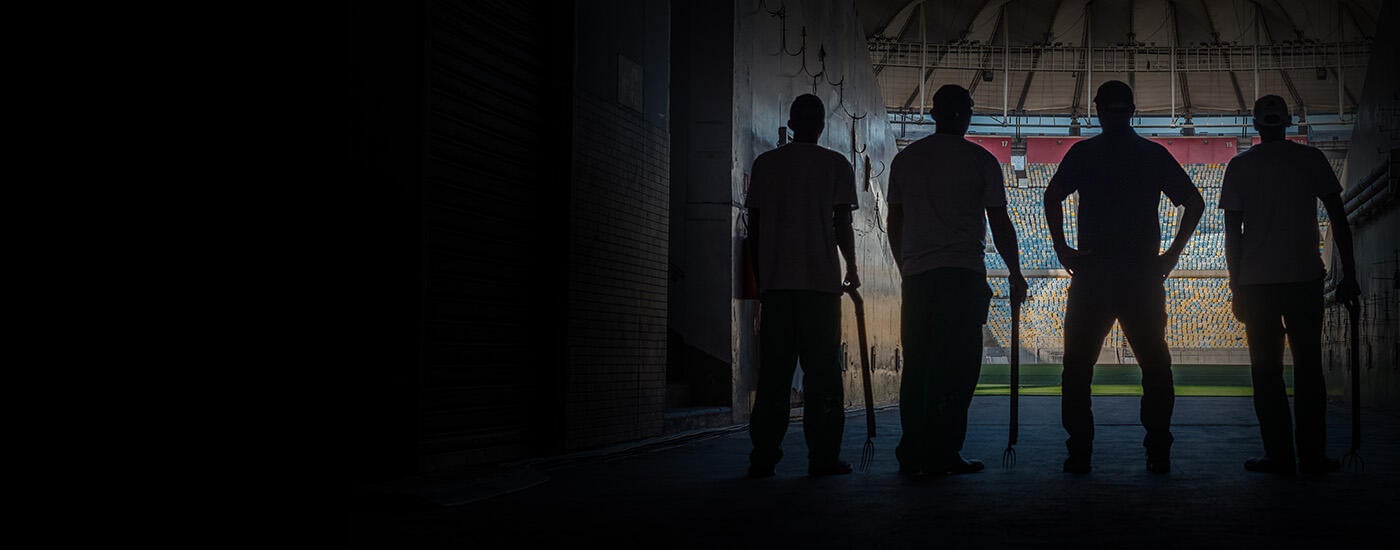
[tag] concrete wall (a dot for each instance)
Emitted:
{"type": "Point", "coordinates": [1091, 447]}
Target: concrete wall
{"type": "Point", "coordinates": [618, 223]}
{"type": "Point", "coordinates": [1373, 144]}
{"type": "Point", "coordinates": [701, 205]}
{"type": "Point", "coordinates": [765, 81]}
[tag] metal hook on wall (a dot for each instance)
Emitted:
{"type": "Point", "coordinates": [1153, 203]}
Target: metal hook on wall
{"type": "Point", "coordinates": [781, 14]}
{"type": "Point", "coordinates": [858, 150]}
{"type": "Point", "coordinates": [803, 52]}
{"type": "Point", "coordinates": [882, 169]}
{"type": "Point", "coordinates": [841, 102]}
{"type": "Point", "coordinates": [821, 57]}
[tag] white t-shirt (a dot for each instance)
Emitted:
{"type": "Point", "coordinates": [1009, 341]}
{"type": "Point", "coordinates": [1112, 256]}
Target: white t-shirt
{"type": "Point", "coordinates": [795, 189]}
{"type": "Point", "coordinates": [1276, 185]}
{"type": "Point", "coordinates": [944, 183]}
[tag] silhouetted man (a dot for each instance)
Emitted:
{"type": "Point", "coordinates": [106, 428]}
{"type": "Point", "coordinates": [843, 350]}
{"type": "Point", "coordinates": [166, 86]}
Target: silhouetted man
{"type": "Point", "coordinates": [939, 188]}
{"type": "Point", "coordinates": [799, 206]}
{"type": "Point", "coordinates": [1117, 273]}
{"type": "Point", "coordinates": [1270, 198]}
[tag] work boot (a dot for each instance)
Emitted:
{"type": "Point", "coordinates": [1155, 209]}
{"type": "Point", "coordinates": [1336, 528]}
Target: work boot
{"type": "Point", "coordinates": [761, 470]}
{"type": "Point", "coordinates": [1078, 464]}
{"type": "Point", "coordinates": [1159, 452]}
{"type": "Point", "coordinates": [1079, 455]}
{"type": "Point", "coordinates": [909, 464]}
{"type": "Point", "coordinates": [829, 469]}
{"type": "Point", "coordinates": [1159, 463]}
{"type": "Point", "coordinates": [1269, 465]}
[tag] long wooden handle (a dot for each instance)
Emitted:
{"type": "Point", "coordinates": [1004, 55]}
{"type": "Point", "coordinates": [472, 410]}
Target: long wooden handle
{"type": "Point", "coordinates": [1015, 360]}
{"type": "Point", "coordinates": [864, 364]}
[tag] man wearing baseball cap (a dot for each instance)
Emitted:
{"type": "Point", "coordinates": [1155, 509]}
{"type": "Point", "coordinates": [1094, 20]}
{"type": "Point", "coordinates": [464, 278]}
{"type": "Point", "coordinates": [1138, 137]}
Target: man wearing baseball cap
{"type": "Point", "coordinates": [1269, 196]}
{"type": "Point", "coordinates": [1116, 271]}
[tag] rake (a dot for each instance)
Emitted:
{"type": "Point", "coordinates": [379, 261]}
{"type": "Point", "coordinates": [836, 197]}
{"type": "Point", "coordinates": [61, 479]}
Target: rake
{"type": "Point", "coordinates": [867, 455]}
{"type": "Point", "coordinates": [1008, 457]}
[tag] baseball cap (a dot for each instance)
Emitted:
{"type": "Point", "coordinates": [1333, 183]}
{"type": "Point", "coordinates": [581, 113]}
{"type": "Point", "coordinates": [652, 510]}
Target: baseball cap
{"type": "Point", "coordinates": [1272, 111]}
{"type": "Point", "coordinates": [1114, 95]}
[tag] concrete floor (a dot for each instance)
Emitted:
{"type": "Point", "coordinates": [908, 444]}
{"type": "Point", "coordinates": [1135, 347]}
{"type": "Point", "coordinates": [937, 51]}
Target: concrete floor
{"type": "Point", "coordinates": [696, 495]}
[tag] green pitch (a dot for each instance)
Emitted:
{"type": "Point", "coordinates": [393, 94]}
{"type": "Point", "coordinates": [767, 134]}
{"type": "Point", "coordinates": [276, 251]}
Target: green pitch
{"type": "Point", "coordinates": [1191, 380]}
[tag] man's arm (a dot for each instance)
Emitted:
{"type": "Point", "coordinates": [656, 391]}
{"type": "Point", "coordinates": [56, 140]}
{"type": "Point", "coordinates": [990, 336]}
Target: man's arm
{"type": "Point", "coordinates": [1350, 288]}
{"type": "Point", "coordinates": [1004, 235]}
{"type": "Point", "coordinates": [1234, 249]}
{"type": "Point", "coordinates": [1177, 186]}
{"type": "Point", "coordinates": [1195, 207]}
{"type": "Point", "coordinates": [753, 225]}
{"type": "Point", "coordinates": [844, 200]}
{"type": "Point", "coordinates": [894, 228]}
{"type": "Point", "coordinates": [1234, 245]}
{"type": "Point", "coordinates": [1062, 184]}
{"type": "Point", "coordinates": [1327, 189]}
{"type": "Point", "coordinates": [846, 241]}
{"type": "Point", "coordinates": [1055, 217]}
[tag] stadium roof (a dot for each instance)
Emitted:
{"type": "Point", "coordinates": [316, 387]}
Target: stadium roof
{"type": "Point", "coordinates": [1182, 57]}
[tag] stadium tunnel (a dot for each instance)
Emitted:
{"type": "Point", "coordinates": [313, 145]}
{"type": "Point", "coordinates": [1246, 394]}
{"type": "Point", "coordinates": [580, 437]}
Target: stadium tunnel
{"type": "Point", "coordinates": [551, 342]}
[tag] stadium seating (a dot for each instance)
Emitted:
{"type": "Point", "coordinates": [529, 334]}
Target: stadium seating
{"type": "Point", "coordinates": [1198, 314]}
{"type": "Point", "coordinates": [1042, 318]}
{"type": "Point", "coordinates": [1027, 210]}
{"type": "Point", "coordinates": [1040, 174]}
{"type": "Point", "coordinates": [1206, 249]}
{"type": "Point", "coordinates": [1198, 307]}
{"type": "Point", "coordinates": [1008, 174]}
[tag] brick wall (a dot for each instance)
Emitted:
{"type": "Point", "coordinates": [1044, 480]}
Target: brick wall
{"type": "Point", "coordinates": [619, 216]}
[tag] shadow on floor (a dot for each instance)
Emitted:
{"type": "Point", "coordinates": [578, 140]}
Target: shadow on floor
{"type": "Point", "coordinates": [694, 494]}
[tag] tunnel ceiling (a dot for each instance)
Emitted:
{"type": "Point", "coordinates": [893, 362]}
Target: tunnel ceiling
{"type": "Point", "coordinates": [1123, 23]}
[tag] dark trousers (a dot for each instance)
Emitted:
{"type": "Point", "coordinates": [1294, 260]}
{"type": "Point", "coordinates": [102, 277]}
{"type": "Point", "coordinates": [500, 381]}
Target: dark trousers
{"type": "Point", "coordinates": [942, 315]}
{"type": "Point", "coordinates": [1135, 297]}
{"type": "Point", "coordinates": [1267, 309]}
{"type": "Point", "coordinates": [807, 325]}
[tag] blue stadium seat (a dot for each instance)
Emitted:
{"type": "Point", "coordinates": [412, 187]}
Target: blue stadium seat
{"type": "Point", "coordinates": [1198, 307]}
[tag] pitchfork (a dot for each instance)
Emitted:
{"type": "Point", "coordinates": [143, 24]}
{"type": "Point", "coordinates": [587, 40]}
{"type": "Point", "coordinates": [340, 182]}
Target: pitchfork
{"type": "Point", "coordinates": [867, 455]}
{"type": "Point", "coordinates": [1008, 457]}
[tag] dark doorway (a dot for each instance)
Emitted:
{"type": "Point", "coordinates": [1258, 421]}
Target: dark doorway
{"type": "Point", "coordinates": [699, 372]}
